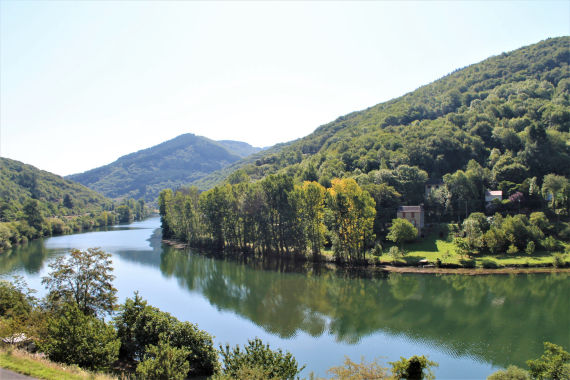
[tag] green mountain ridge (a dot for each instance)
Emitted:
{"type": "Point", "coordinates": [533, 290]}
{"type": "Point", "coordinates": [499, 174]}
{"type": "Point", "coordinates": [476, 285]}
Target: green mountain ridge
{"type": "Point", "coordinates": [508, 110]}
{"type": "Point", "coordinates": [20, 182]}
{"type": "Point", "coordinates": [173, 163]}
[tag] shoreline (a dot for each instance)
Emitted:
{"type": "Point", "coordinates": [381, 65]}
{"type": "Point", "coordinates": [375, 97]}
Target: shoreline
{"type": "Point", "coordinates": [395, 269]}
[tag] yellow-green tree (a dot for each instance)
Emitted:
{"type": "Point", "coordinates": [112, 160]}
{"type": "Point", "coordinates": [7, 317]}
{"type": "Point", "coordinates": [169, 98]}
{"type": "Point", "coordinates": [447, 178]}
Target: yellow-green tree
{"type": "Point", "coordinates": [353, 211]}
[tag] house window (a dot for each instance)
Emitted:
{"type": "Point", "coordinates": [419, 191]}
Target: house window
{"type": "Point", "coordinates": [413, 214]}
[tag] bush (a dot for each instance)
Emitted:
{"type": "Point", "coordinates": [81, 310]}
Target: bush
{"type": "Point", "coordinates": [530, 247]}
{"type": "Point", "coordinates": [490, 264]}
{"type": "Point", "coordinates": [257, 355]}
{"type": "Point", "coordinates": [512, 250]}
{"type": "Point", "coordinates": [416, 367]}
{"type": "Point", "coordinates": [164, 362]}
{"type": "Point", "coordinates": [553, 364]}
{"type": "Point", "coordinates": [141, 326]}
{"type": "Point", "coordinates": [559, 260]}
{"type": "Point", "coordinates": [75, 338]}
{"type": "Point", "coordinates": [551, 244]}
{"type": "Point", "coordinates": [468, 263]}
{"type": "Point", "coordinates": [511, 373]}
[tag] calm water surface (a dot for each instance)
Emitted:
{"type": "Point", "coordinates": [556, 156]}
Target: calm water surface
{"type": "Point", "coordinates": [471, 326]}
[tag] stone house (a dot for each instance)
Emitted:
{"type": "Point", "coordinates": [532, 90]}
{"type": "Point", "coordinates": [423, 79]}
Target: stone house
{"type": "Point", "coordinates": [432, 185]}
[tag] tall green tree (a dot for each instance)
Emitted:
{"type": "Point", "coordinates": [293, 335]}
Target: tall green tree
{"type": "Point", "coordinates": [84, 278]}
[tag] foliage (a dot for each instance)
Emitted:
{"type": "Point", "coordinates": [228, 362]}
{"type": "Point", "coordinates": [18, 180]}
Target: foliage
{"type": "Point", "coordinates": [164, 362]}
{"type": "Point", "coordinates": [353, 211]}
{"type": "Point", "coordinates": [511, 373]}
{"type": "Point", "coordinates": [358, 371]}
{"type": "Point", "coordinates": [255, 354]}
{"type": "Point", "coordinates": [73, 337]}
{"type": "Point", "coordinates": [84, 278]}
{"type": "Point", "coordinates": [36, 203]}
{"type": "Point", "coordinates": [416, 367]}
{"type": "Point", "coordinates": [508, 114]}
{"type": "Point", "coordinates": [140, 326]}
{"type": "Point", "coordinates": [402, 231]}
{"type": "Point", "coordinates": [553, 364]}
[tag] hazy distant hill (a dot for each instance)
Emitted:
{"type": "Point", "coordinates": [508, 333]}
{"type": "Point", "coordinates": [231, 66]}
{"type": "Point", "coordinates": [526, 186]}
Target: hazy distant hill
{"type": "Point", "coordinates": [510, 113]}
{"type": "Point", "coordinates": [170, 164]}
{"type": "Point", "coordinates": [20, 182]}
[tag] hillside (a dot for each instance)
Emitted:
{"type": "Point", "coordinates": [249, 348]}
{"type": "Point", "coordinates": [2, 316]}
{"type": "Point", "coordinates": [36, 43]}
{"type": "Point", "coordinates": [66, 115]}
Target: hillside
{"type": "Point", "coordinates": [35, 203]}
{"type": "Point", "coordinates": [510, 113]}
{"type": "Point", "coordinates": [170, 164]}
{"type": "Point", "coordinates": [20, 182]}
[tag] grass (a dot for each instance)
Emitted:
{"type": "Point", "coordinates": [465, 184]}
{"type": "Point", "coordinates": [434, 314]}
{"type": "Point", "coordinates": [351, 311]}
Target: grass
{"type": "Point", "coordinates": [433, 247]}
{"type": "Point", "coordinates": [41, 368]}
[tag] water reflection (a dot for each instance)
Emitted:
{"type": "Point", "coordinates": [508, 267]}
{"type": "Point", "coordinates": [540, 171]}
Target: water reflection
{"type": "Point", "coordinates": [496, 319]}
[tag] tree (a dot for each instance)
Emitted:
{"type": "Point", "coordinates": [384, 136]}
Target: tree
{"type": "Point", "coordinates": [402, 231]}
{"type": "Point", "coordinates": [73, 337]}
{"type": "Point", "coordinates": [353, 211]}
{"type": "Point", "coordinates": [414, 368]}
{"type": "Point", "coordinates": [33, 213]}
{"type": "Point", "coordinates": [140, 326]}
{"type": "Point", "coordinates": [556, 189]}
{"type": "Point", "coordinates": [68, 201]}
{"type": "Point", "coordinates": [276, 364]}
{"type": "Point", "coordinates": [553, 364]}
{"type": "Point", "coordinates": [164, 362]}
{"type": "Point", "coordinates": [313, 203]}
{"type": "Point", "coordinates": [84, 278]}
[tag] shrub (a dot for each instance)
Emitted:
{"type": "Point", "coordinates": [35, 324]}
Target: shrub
{"type": "Point", "coordinates": [275, 364]}
{"type": "Point", "coordinates": [490, 264]}
{"type": "Point", "coordinates": [75, 338]}
{"type": "Point", "coordinates": [550, 244]}
{"type": "Point", "coordinates": [512, 250]}
{"type": "Point", "coordinates": [553, 364]}
{"type": "Point", "coordinates": [164, 362]}
{"type": "Point", "coordinates": [530, 248]}
{"type": "Point", "coordinates": [559, 260]}
{"type": "Point", "coordinates": [416, 367]}
{"type": "Point", "coordinates": [511, 373]}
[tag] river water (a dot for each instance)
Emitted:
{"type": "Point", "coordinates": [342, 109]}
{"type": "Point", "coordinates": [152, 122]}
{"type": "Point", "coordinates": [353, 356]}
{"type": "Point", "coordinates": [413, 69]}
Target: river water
{"type": "Point", "coordinates": [470, 325]}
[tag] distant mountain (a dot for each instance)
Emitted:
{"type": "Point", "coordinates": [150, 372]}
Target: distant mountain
{"type": "Point", "coordinates": [171, 164]}
{"type": "Point", "coordinates": [20, 182]}
{"type": "Point", "coordinates": [510, 113]}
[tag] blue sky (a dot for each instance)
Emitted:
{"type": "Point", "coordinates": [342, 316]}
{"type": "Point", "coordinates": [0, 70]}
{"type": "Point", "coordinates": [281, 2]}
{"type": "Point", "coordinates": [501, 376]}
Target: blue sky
{"type": "Point", "coordinates": [82, 83]}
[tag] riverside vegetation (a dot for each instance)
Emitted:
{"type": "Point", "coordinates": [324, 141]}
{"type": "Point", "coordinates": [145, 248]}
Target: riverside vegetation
{"type": "Point", "coordinates": [37, 203]}
{"type": "Point", "coordinates": [144, 342]}
{"type": "Point", "coordinates": [502, 124]}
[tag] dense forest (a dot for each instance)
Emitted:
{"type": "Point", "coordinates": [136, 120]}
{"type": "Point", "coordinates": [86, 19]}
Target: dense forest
{"type": "Point", "coordinates": [172, 163]}
{"type": "Point", "coordinates": [36, 203]}
{"type": "Point", "coordinates": [501, 125]}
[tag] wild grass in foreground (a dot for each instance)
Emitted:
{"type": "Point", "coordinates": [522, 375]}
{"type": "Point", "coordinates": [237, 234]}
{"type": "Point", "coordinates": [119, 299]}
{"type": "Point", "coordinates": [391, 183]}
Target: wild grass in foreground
{"type": "Point", "coordinates": [41, 368]}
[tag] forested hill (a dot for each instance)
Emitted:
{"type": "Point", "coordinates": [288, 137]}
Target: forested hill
{"type": "Point", "coordinates": [20, 182]}
{"type": "Point", "coordinates": [170, 164]}
{"type": "Point", "coordinates": [509, 113]}
{"type": "Point", "coordinates": [35, 203]}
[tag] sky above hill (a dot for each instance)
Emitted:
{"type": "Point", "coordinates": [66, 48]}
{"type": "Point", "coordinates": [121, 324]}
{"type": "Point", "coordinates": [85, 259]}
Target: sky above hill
{"type": "Point", "coordinates": [82, 83]}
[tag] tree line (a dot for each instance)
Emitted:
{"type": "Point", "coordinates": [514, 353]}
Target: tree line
{"type": "Point", "coordinates": [273, 216]}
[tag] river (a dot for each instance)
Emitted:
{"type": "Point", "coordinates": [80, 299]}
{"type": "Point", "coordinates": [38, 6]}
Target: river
{"type": "Point", "coordinates": [470, 325]}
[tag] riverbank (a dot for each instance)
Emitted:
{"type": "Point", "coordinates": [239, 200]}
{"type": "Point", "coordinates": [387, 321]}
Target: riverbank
{"type": "Point", "coordinates": [413, 262]}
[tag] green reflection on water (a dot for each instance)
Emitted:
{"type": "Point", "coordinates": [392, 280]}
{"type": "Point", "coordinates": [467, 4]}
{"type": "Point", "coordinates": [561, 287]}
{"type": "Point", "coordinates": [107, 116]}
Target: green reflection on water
{"type": "Point", "coordinates": [500, 319]}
